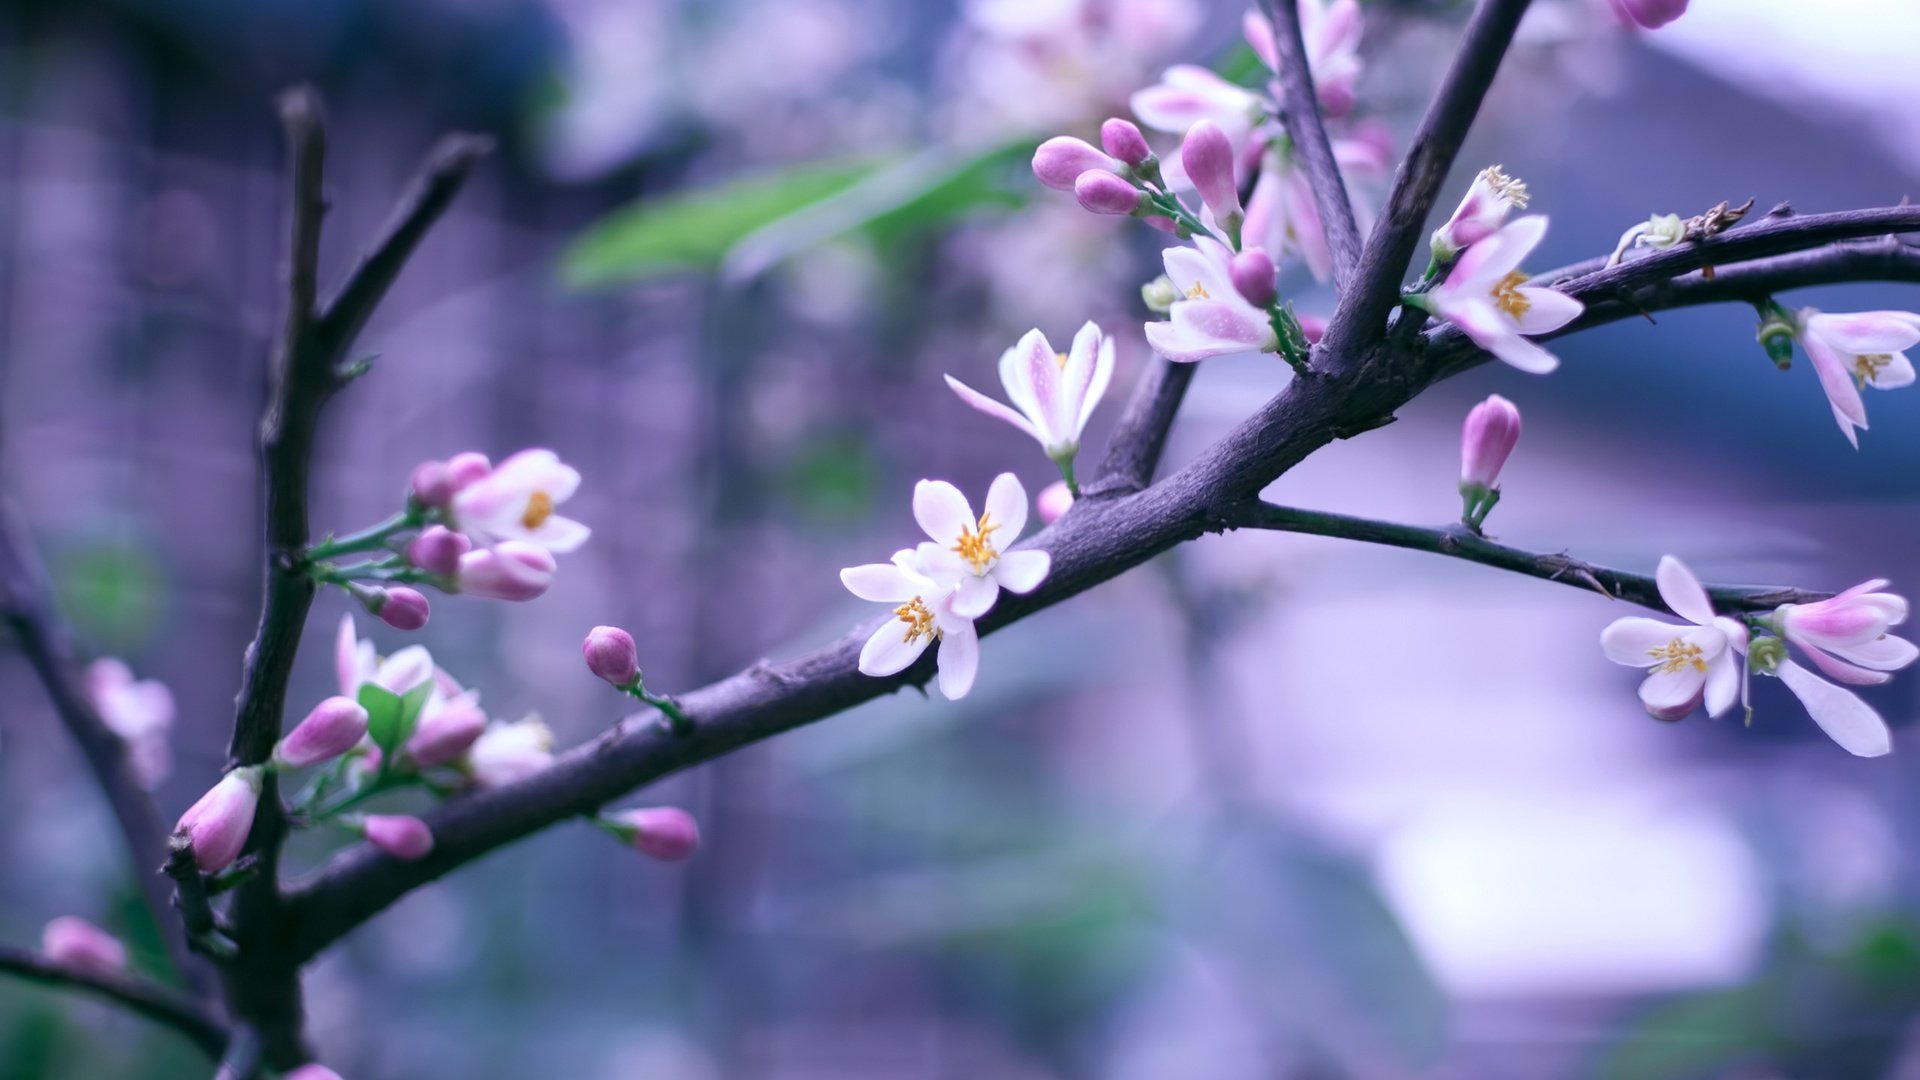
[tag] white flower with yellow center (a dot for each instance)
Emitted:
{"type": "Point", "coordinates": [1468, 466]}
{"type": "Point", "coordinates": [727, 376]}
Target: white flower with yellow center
{"type": "Point", "coordinates": [1486, 295]}
{"type": "Point", "coordinates": [1853, 351]}
{"type": "Point", "coordinates": [1211, 318]}
{"type": "Point", "coordinates": [922, 614]}
{"type": "Point", "coordinates": [968, 553]}
{"type": "Point", "coordinates": [517, 501]}
{"type": "Point", "coordinates": [1688, 665]}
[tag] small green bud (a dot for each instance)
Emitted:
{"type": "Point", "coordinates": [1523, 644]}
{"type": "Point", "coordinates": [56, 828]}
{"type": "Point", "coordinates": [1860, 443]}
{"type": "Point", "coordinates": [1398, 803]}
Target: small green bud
{"type": "Point", "coordinates": [1766, 654]}
{"type": "Point", "coordinates": [1160, 294]}
{"type": "Point", "coordinates": [1777, 332]}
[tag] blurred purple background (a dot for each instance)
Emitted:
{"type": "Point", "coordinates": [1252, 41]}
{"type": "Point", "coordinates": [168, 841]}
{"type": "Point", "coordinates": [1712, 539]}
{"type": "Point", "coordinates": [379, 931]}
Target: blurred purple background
{"type": "Point", "coordinates": [1270, 806]}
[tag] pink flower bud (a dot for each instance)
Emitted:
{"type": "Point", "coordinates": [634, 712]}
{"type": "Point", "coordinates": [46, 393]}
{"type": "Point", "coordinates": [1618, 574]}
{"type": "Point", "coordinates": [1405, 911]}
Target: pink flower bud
{"type": "Point", "coordinates": [1122, 139]}
{"type": "Point", "coordinates": [438, 550]}
{"type": "Point", "coordinates": [404, 608]}
{"type": "Point", "coordinates": [313, 1070]}
{"type": "Point", "coordinates": [1207, 154]}
{"type": "Point", "coordinates": [334, 727]}
{"type": "Point", "coordinates": [1061, 159]}
{"type": "Point", "coordinates": [667, 833]}
{"type": "Point", "coordinates": [432, 484]}
{"type": "Point", "coordinates": [1649, 14]}
{"type": "Point", "coordinates": [1314, 326]}
{"type": "Point", "coordinates": [73, 942]}
{"type": "Point", "coordinates": [399, 835]}
{"type": "Point", "coordinates": [448, 726]}
{"type": "Point", "coordinates": [218, 824]}
{"type": "Point", "coordinates": [512, 570]}
{"type": "Point", "coordinates": [1105, 193]}
{"type": "Point", "coordinates": [1053, 501]}
{"type": "Point", "coordinates": [1491, 430]}
{"type": "Point", "coordinates": [1252, 274]}
{"type": "Point", "coordinates": [610, 655]}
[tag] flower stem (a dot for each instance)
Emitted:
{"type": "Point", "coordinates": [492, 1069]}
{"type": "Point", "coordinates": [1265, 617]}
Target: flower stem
{"type": "Point", "coordinates": [369, 539]}
{"type": "Point", "coordinates": [1066, 473]}
{"type": "Point", "coordinates": [676, 719]}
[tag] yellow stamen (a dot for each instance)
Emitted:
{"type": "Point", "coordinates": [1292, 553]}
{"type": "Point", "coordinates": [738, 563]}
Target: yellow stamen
{"type": "Point", "coordinates": [1198, 291]}
{"type": "Point", "coordinates": [974, 546]}
{"type": "Point", "coordinates": [1677, 654]}
{"type": "Point", "coordinates": [539, 509]}
{"type": "Point", "coordinates": [1060, 360]}
{"type": "Point", "coordinates": [1867, 368]}
{"type": "Point", "coordinates": [1511, 188]}
{"type": "Point", "coordinates": [1507, 294]}
{"type": "Point", "coordinates": [919, 621]}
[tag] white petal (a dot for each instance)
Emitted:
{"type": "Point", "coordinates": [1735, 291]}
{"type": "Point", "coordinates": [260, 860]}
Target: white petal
{"type": "Point", "coordinates": [1840, 713]}
{"type": "Point", "coordinates": [1897, 373]}
{"type": "Point", "coordinates": [974, 595]}
{"type": "Point", "coordinates": [1006, 507]}
{"type": "Point", "coordinates": [1187, 267]}
{"type": "Point", "coordinates": [1836, 378]}
{"type": "Point", "coordinates": [1867, 332]}
{"type": "Point", "coordinates": [1525, 355]}
{"type": "Point", "coordinates": [888, 652]}
{"type": "Point", "coordinates": [559, 535]}
{"type": "Point", "coordinates": [1723, 683]}
{"type": "Point", "coordinates": [991, 407]}
{"type": "Point", "coordinates": [883, 583]}
{"type": "Point", "coordinates": [1022, 571]}
{"type": "Point", "coordinates": [1016, 377]}
{"type": "Point", "coordinates": [1097, 387]}
{"type": "Point", "coordinates": [1485, 263]}
{"type": "Point", "coordinates": [1887, 653]}
{"type": "Point", "coordinates": [1548, 310]}
{"type": "Point", "coordinates": [1667, 691]}
{"type": "Point", "coordinates": [959, 661]}
{"type": "Point", "coordinates": [943, 513]}
{"type": "Point", "coordinates": [1076, 378]}
{"type": "Point", "coordinates": [1633, 640]}
{"type": "Point", "coordinates": [1683, 592]}
{"type": "Point", "coordinates": [1842, 671]}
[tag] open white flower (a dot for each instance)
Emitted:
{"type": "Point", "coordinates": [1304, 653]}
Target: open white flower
{"type": "Point", "coordinates": [516, 502]}
{"type": "Point", "coordinates": [1187, 94]}
{"type": "Point", "coordinates": [1053, 393]}
{"type": "Point", "coordinates": [356, 663]}
{"type": "Point", "coordinates": [1689, 664]}
{"type": "Point", "coordinates": [1853, 351]}
{"type": "Point", "coordinates": [1212, 318]}
{"type": "Point", "coordinates": [923, 614]}
{"type": "Point", "coordinates": [1486, 295]}
{"type": "Point", "coordinates": [506, 753]}
{"type": "Point", "coordinates": [1846, 635]}
{"type": "Point", "coordinates": [965, 552]}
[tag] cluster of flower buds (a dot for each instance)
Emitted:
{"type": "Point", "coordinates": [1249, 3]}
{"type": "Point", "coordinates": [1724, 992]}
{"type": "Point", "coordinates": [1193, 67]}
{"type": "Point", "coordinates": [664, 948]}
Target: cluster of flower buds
{"type": "Point", "coordinates": [940, 587]}
{"type": "Point", "coordinates": [468, 527]}
{"type": "Point", "coordinates": [1708, 660]}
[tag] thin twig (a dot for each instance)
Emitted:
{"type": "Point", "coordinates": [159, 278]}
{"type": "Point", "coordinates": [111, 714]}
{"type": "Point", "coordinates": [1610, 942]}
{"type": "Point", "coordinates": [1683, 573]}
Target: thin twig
{"type": "Point", "coordinates": [1309, 132]}
{"type": "Point", "coordinates": [1361, 316]}
{"type": "Point", "coordinates": [1138, 440]}
{"type": "Point", "coordinates": [150, 999]}
{"type": "Point", "coordinates": [28, 609]}
{"type": "Point", "coordinates": [1456, 542]}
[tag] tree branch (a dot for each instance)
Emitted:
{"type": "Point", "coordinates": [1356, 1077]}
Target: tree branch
{"type": "Point", "coordinates": [27, 607]}
{"type": "Point", "coordinates": [1138, 440]}
{"type": "Point", "coordinates": [1456, 542]}
{"type": "Point", "coordinates": [1363, 309]}
{"type": "Point", "coordinates": [1749, 263]}
{"type": "Point", "coordinates": [1100, 540]}
{"type": "Point", "coordinates": [1308, 129]}
{"type": "Point", "coordinates": [261, 982]}
{"type": "Point", "coordinates": [149, 999]}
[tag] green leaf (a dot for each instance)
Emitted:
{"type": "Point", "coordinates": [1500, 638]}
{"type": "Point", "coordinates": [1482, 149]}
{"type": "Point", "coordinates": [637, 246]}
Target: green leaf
{"type": "Point", "coordinates": [384, 712]}
{"type": "Point", "coordinates": [410, 705]}
{"type": "Point", "coordinates": [693, 230]}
